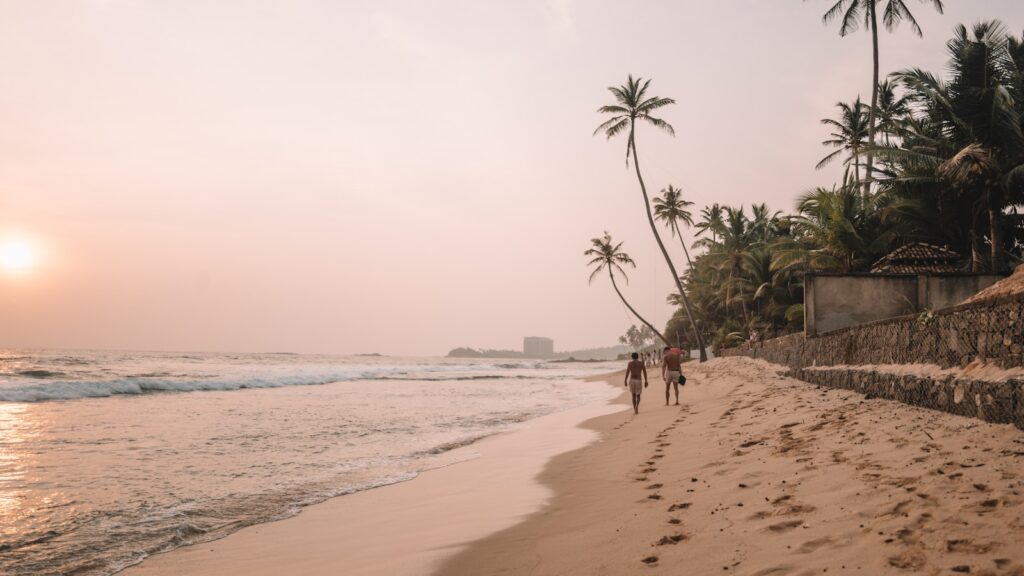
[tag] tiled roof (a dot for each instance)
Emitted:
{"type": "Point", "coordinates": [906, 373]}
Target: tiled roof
{"type": "Point", "coordinates": [917, 258]}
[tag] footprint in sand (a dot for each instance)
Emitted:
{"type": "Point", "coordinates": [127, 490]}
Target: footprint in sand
{"type": "Point", "coordinates": [681, 506]}
{"type": "Point", "coordinates": [967, 546]}
{"type": "Point", "coordinates": [774, 571]}
{"type": "Point", "coordinates": [785, 526]}
{"type": "Point", "coordinates": [908, 560]}
{"type": "Point", "coordinates": [812, 545]}
{"type": "Point", "coordinates": [650, 560]}
{"type": "Point", "coordinates": [654, 496]}
{"type": "Point", "coordinates": [654, 486]}
{"type": "Point", "coordinates": [670, 540]}
{"type": "Point", "coordinates": [649, 470]}
{"type": "Point", "coordinates": [674, 521]}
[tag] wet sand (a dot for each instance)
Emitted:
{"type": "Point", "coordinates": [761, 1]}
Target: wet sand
{"type": "Point", "coordinates": [401, 529]}
{"type": "Point", "coordinates": [761, 475]}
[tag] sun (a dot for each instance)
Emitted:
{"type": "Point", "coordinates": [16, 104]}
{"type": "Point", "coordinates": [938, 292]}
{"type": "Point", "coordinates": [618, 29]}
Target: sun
{"type": "Point", "coordinates": [16, 256]}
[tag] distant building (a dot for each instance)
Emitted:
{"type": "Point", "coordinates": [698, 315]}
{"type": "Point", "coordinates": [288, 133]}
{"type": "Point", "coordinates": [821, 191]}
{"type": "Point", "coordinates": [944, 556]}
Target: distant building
{"type": "Point", "coordinates": [538, 347]}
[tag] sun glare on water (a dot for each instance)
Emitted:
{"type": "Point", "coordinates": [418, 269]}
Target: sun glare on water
{"type": "Point", "coordinates": [16, 256]}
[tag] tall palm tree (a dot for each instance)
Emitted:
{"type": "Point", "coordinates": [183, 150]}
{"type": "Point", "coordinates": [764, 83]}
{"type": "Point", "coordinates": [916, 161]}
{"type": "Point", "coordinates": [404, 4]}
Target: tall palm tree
{"type": "Point", "coordinates": [605, 255]}
{"type": "Point", "coordinates": [847, 136]}
{"type": "Point", "coordinates": [710, 221]}
{"type": "Point", "coordinates": [671, 208]}
{"type": "Point", "coordinates": [893, 111]}
{"type": "Point", "coordinates": [849, 13]}
{"type": "Point", "coordinates": [632, 105]}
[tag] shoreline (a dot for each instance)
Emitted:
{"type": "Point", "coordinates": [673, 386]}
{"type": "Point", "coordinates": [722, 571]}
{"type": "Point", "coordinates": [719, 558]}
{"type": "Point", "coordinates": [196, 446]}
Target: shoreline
{"type": "Point", "coordinates": [762, 475]}
{"type": "Point", "coordinates": [755, 474]}
{"type": "Point", "coordinates": [394, 529]}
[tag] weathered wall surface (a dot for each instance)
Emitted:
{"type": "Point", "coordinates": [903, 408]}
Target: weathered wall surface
{"type": "Point", "coordinates": [990, 330]}
{"type": "Point", "coordinates": [940, 292]}
{"type": "Point", "coordinates": [832, 302]}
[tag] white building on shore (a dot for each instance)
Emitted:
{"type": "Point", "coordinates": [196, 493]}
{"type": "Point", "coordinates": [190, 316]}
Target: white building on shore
{"type": "Point", "coordinates": [538, 347]}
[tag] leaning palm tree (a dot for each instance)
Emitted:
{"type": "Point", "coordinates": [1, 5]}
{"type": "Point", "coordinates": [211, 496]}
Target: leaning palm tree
{"type": "Point", "coordinates": [604, 255]}
{"type": "Point", "coordinates": [671, 208]}
{"type": "Point", "coordinates": [847, 136]}
{"type": "Point", "coordinates": [632, 106]}
{"type": "Point", "coordinates": [849, 13]}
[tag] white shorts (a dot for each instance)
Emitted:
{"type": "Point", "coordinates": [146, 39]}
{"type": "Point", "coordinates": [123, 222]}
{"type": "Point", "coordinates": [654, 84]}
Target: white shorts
{"type": "Point", "coordinates": [672, 376]}
{"type": "Point", "coordinates": [636, 386]}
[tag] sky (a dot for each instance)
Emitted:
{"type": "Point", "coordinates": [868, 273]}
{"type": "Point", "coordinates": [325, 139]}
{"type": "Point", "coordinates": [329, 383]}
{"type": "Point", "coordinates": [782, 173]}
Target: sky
{"type": "Point", "coordinates": [391, 176]}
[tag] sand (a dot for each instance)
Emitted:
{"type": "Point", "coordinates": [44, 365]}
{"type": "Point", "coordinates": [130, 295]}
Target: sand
{"type": "Point", "coordinates": [755, 474]}
{"type": "Point", "coordinates": [1014, 284]}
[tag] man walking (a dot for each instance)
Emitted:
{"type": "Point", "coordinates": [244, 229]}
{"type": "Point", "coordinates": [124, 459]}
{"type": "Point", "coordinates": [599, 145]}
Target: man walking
{"type": "Point", "coordinates": [671, 370]}
{"type": "Point", "coordinates": [634, 370]}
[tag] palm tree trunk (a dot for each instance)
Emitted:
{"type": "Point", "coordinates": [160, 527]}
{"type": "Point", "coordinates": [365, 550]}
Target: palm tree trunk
{"type": "Point", "coordinates": [664, 252]}
{"type": "Point", "coordinates": [638, 316]}
{"type": "Point", "coordinates": [996, 237]}
{"type": "Point", "coordinates": [689, 263]}
{"type": "Point", "coordinates": [975, 248]}
{"type": "Point", "coordinates": [869, 177]}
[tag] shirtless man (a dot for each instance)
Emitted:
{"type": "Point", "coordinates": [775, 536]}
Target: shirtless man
{"type": "Point", "coordinates": [634, 371]}
{"type": "Point", "coordinates": [671, 368]}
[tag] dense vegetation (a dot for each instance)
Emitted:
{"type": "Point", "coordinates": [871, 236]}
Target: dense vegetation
{"type": "Point", "coordinates": [938, 159]}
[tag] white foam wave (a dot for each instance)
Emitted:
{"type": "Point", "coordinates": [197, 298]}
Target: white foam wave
{"type": "Point", "coordinates": [32, 389]}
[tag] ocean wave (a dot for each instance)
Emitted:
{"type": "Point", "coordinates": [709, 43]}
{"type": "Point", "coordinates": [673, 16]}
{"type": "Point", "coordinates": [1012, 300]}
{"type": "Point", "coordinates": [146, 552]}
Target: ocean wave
{"type": "Point", "coordinates": [25, 390]}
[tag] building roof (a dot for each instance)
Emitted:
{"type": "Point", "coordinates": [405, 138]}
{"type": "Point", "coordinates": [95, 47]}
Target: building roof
{"type": "Point", "coordinates": [918, 258]}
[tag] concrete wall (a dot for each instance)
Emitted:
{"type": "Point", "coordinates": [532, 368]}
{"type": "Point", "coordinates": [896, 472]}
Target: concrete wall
{"type": "Point", "coordinates": [832, 302]}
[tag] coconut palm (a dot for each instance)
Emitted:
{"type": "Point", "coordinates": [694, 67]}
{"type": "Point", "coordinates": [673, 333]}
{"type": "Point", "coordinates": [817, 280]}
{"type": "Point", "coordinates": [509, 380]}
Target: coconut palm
{"type": "Point", "coordinates": [710, 221]}
{"type": "Point", "coordinates": [893, 111]}
{"type": "Point", "coordinates": [848, 136]}
{"type": "Point", "coordinates": [975, 144]}
{"type": "Point", "coordinates": [671, 208]}
{"type": "Point", "coordinates": [633, 105]}
{"type": "Point", "coordinates": [850, 13]}
{"type": "Point", "coordinates": [606, 255]}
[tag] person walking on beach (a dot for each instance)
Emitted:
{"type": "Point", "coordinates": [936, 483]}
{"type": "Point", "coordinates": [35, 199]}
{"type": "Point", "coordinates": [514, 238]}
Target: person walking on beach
{"type": "Point", "coordinates": [634, 371]}
{"type": "Point", "coordinates": [671, 370]}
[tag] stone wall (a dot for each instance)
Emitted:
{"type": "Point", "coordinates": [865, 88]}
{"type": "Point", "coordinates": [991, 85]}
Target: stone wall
{"type": "Point", "coordinates": [990, 330]}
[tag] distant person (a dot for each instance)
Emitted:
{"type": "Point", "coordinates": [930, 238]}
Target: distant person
{"type": "Point", "coordinates": [634, 371]}
{"type": "Point", "coordinates": [671, 371]}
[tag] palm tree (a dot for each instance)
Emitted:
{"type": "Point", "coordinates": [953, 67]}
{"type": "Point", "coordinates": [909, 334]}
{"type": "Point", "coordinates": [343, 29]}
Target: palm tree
{"type": "Point", "coordinates": [710, 221]}
{"type": "Point", "coordinates": [633, 105]}
{"type": "Point", "coordinates": [603, 255]}
{"type": "Point", "coordinates": [976, 144]}
{"type": "Point", "coordinates": [848, 136]}
{"type": "Point", "coordinates": [852, 11]}
{"type": "Point", "coordinates": [893, 111]}
{"type": "Point", "coordinates": [672, 209]}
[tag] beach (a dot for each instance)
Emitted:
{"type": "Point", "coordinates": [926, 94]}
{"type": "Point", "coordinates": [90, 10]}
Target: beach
{"type": "Point", "coordinates": [754, 474]}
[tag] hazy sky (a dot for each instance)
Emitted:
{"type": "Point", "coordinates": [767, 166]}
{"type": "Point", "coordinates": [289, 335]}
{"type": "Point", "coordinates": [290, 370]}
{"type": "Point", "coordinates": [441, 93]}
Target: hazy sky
{"type": "Point", "coordinates": [389, 176]}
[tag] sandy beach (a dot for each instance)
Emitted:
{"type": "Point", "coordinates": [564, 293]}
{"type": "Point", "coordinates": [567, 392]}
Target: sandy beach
{"type": "Point", "coordinates": [757, 474]}
{"type": "Point", "coordinates": [754, 474]}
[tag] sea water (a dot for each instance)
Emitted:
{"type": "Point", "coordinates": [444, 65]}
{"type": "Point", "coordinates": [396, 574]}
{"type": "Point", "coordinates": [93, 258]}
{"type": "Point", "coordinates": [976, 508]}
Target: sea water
{"type": "Point", "coordinates": [108, 457]}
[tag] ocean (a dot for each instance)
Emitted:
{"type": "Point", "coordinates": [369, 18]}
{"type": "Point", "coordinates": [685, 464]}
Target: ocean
{"type": "Point", "coordinates": [109, 457]}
